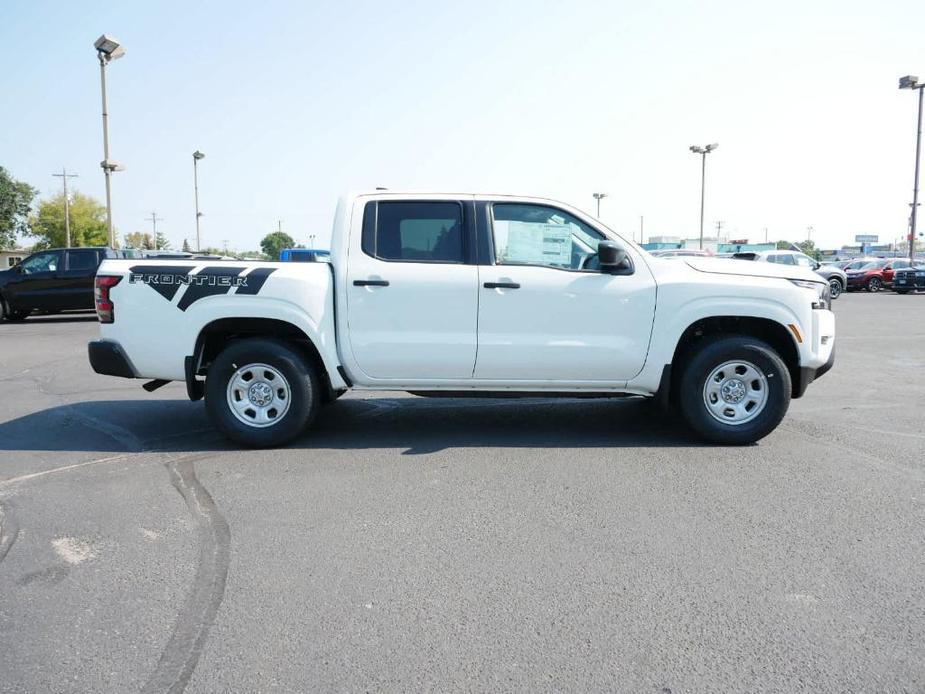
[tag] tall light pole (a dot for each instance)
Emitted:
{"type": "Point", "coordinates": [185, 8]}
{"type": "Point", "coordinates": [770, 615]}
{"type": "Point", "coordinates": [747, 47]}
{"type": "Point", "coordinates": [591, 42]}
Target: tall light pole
{"type": "Point", "coordinates": [912, 82]}
{"type": "Point", "coordinates": [107, 50]}
{"type": "Point", "coordinates": [704, 151]}
{"type": "Point", "coordinates": [599, 197]}
{"type": "Point", "coordinates": [64, 175]}
{"type": "Point", "coordinates": [197, 155]}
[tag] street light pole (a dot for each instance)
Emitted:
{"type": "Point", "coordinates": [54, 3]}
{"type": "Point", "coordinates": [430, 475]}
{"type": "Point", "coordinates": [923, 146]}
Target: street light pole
{"type": "Point", "coordinates": [197, 155]}
{"type": "Point", "coordinates": [599, 197]}
{"type": "Point", "coordinates": [107, 49]}
{"type": "Point", "coordinates": [912, 82]}
{"type": "Point", "coordinates": [64, 175]}
{"type": "Point", "coordinates": [703, 151]}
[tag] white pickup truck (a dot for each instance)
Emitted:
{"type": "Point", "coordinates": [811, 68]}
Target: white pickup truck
{"type": "Point", "coordinates": [458, 294]}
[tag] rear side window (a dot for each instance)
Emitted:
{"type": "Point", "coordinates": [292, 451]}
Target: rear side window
{"type": "Point", "coordinates": [82, 260]}
{"type": "Point", "coordinates": [423, 232]}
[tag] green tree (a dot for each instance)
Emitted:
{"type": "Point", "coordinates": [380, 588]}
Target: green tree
{"type": "Point", "coordinates": [186, 247]}
{"type": "Point", "coordinates": [88, 222]}
{"type": "Point", "coordinates": [809, 248]}
{"type": "Point", "coordinates": [273, 243]}
{"type": "Point", "coordinates": [140, 240]}
{"type": "Point", "coordinates": [15, 200]}
{"type": "Point", "coordinates": [783, 245]}
{"type": "Point", "coordinates": [162, 243]}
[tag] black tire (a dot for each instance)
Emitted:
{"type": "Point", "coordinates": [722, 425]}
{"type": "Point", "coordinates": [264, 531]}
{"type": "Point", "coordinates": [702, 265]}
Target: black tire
{"type": "Point", "coordinates": [304, 393]}
{"type": "Point", "coordinates": [874, 284]}
{"type": "Point", "coordinates": [836, 287]}
{"type": "Point", "coordinates": [14, 316]}
{"type": "Point", "coordinates": [711, 354]}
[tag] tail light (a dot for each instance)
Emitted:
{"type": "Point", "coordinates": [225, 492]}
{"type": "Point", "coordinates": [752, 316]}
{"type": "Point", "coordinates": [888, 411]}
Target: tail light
{"type": "Point", "coordinates": [105, 310]}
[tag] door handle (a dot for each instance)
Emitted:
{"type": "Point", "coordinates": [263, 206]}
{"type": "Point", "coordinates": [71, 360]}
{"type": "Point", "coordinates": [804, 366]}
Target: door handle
{"type": "Point", "coordinates": [501, 285]}
{"type": "Point", "coordinates": [370, 283]}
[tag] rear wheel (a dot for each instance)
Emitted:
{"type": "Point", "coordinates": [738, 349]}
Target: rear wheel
{"type": "Point", "coordinates": [261, 392]}
{"type": "Point", "coordinates": [734, 390]}
{"type": "Point", "coordinates": [874, 284]}
{"type": "Point", "coordinates": [836, 287]}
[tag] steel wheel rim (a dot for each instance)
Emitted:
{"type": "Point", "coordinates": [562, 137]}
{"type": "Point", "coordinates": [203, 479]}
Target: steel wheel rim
{"type": "Point", "coordinates": [874, 285]}
{"type": "Point", "coordinates": [835, 287]}
{"type": "Point", "coordinates": [735, 392]}
{"type": "Point", "coordinates": [258, 395]}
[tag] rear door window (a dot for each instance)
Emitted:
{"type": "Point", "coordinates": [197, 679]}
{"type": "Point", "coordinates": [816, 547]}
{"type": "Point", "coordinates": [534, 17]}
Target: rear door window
{"type": "Point", "coordinates": [412, 231]}
{"type": "Point", "coordinates": [83, 260]}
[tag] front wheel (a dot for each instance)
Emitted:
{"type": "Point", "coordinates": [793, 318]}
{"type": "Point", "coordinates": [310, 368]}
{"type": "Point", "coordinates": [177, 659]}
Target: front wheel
{"type": "Point", "coordinates": [261, 392]}
{"type": "Point", "coordinates": [835, 287]}
{"type": "Point", "coordinates": [874, 284]}
{"type": "Point", "coordinates": [12, 315]}
{"type": "Point", "coordinates": [734, 390]}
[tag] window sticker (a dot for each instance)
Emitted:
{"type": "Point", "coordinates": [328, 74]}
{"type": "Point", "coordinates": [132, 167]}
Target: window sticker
{"type": "Point", "coordinates": [537, 244]}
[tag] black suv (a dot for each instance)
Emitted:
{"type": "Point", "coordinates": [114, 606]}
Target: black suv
{"type": "Point", "coordinates": [59, 279]}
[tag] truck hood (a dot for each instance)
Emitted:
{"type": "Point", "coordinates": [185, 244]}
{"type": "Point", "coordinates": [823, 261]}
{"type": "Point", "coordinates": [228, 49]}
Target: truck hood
{"type": "Point", "coordinates": [752, 268]}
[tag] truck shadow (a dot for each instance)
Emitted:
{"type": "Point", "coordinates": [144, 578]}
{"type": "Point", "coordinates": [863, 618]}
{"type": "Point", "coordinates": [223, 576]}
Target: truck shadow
{"type": "Point", "coordinates": [415, 425]}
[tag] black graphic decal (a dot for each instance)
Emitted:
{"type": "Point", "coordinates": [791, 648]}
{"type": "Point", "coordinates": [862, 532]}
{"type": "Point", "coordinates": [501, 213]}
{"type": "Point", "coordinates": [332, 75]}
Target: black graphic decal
{"type": "Point", "coordinates": [255, 280]}
{"type": "Point", "coordinates": [219, 281]}
{"type": "Point", "coordinates": [164, 279]}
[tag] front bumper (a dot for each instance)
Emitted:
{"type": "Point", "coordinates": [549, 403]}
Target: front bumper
{"type": "Point", "coordinates": [810, 374]}
{"type": "Point", "coordinates": [108, 358]}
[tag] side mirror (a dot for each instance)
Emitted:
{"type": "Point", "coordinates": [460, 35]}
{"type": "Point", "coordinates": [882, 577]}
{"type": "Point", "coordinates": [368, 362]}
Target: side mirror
{"type": "Point", "coordinates": [816, 266]}
{"type": "Point", "coordinates": [612, 258]}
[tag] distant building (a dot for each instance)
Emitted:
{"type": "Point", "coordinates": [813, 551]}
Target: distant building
{"type": "Point", "coordinates": [10, 256]}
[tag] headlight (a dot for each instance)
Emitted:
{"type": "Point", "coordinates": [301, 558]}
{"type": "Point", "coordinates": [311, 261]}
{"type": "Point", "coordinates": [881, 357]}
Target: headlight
{"type": "Point", "coordinates": [823, 292]}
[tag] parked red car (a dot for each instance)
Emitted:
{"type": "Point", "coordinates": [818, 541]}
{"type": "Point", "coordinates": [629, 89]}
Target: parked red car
{"type": "Point", "coordinates": [876, 275]}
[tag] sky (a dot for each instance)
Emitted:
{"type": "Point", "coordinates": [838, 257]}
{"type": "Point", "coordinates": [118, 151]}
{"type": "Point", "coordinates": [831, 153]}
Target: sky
{"type": "Point", "coordinates": [296, 103]}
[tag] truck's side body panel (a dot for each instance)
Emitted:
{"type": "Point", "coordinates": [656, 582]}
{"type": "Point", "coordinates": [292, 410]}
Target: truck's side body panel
{"type": "Point", "coordinates": [162, 307]}
{"type": "Point", "coordinates": [435, 326]}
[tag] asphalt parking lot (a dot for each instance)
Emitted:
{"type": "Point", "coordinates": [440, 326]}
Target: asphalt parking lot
{"type": "Point", "coordinates": [408, 544]}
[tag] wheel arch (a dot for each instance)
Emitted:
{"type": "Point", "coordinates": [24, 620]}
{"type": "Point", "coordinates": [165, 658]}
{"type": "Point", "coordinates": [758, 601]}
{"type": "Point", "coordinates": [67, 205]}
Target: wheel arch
{"type": "Point", "coordinates": [777, 335]}
{"type": "Point", "coordinates": [217, 334]}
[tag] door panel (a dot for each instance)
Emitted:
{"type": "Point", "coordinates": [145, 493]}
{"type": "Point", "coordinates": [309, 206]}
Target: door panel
{"type": "Point", "coordinates": [34, 284]}
{"type": "Point", "coordinates": [412, 297]}
{"type": "Point", "coordinates": [563, 326]}
{"type": "Point", "coordinates": [75, 282]}
{"type": "Point", "coordinates": [550, 319]}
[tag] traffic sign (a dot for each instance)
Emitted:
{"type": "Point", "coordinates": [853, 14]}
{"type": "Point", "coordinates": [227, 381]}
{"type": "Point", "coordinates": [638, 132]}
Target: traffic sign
{"type": "Point", "coordinates": [866, 238]}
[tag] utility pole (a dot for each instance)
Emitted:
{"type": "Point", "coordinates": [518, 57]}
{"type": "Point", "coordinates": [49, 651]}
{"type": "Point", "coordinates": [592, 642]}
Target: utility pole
{"type": "Point", "coordinates": [719, 229]}
{"type": "Point", "coordinates": [64, 175]}
{"type": "Point", "coordinates": [809, 233]}
{"type": "Point", "coordinates": [765, 234]}
{"type": "Point", "coordinates": [225, 246]}
{"type": "Point", "coordinates": [641, 218]}
{"type": "Point", "coordinates": [279, 225]}
{"type": "Point", "coordinates": [154, 220]}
